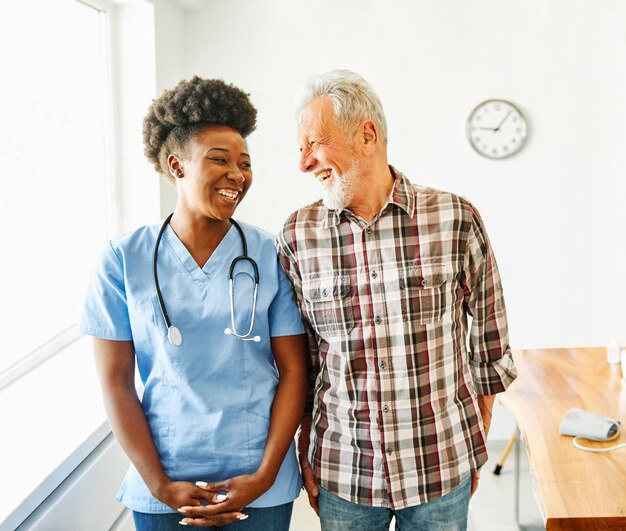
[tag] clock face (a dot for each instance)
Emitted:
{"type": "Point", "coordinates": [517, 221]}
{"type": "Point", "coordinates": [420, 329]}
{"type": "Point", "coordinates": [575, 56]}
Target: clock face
{"type": "Point", "coordinates": [496, 129]}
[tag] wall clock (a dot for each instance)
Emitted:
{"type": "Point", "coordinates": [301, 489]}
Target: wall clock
{"type": "Point", "coordinates": [496, 129]}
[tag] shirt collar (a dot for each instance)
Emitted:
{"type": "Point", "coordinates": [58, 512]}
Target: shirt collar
{"type": "Point", "coordinates": [402, 195]}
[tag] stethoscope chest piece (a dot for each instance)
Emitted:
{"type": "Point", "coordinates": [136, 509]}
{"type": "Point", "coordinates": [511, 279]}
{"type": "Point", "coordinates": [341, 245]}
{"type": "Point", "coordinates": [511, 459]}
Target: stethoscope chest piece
{"type": "Point", "coordinates": [174, 335]}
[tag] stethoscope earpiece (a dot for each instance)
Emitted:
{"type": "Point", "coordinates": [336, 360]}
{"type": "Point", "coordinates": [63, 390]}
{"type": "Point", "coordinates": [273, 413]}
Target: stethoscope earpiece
{"type": "Point", "coordinates": [174, 335]}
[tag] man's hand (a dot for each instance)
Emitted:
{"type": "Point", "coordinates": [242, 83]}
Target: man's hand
{"type": "Point", "coordinates": [308, 479]}
{"type": "Point", "coordinates": [475, 479]}
{"type": "Point", "coordinates": [310, 485]}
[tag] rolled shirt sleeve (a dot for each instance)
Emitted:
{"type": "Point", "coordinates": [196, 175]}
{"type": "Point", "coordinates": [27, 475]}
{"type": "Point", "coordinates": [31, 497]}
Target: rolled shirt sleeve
{"type": "Point", "coordinates": [491, 361]}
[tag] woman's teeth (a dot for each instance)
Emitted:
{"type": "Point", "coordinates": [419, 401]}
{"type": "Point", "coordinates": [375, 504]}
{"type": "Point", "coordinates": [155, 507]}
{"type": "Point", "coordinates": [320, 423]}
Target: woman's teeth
{"type": "Point", "coordinates": [230, 194]}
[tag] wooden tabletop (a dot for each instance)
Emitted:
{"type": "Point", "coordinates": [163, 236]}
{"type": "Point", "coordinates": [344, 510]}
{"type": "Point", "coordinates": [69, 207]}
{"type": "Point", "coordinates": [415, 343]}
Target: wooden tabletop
{"type": "Point", "coordinates": [578, 490]}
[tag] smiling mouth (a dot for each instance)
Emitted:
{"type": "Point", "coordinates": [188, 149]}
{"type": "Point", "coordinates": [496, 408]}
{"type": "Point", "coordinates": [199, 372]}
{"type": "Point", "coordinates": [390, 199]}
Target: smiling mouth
{"type": "Point", "coordinates": [324, 174]}
{"type": "Point", "coordinates": [229, 194]}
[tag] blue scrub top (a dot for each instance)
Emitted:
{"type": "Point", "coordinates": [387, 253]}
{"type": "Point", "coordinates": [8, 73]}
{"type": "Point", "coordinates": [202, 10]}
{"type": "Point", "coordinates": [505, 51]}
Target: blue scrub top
{"type": "Point", "coordinates": [208, 401]}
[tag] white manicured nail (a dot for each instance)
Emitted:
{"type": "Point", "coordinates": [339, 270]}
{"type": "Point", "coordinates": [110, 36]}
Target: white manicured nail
{"type": "Point", "coordinates": [183, 523]}
{"type": "Point", "coordinates": [220, 497]}
{"type": "Point", "coordinates": [201, 483]}
{"type": "Point", "coordinates": [242, 517]}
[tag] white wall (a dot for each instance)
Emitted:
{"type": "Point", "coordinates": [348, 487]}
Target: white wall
{"type": "Point", "coordinates": [134, 81]}
{"type": "Point", "coordinates": [171, 67]}
{"type": "Point", "coordinates": [555, 212]}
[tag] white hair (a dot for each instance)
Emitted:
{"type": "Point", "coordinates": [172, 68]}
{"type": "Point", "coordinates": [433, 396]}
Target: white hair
{"type": "Point", "coordinates": [352, 97]}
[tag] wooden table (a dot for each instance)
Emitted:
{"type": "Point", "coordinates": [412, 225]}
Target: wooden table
{"type": "Point", "coordinates": [576, 489]}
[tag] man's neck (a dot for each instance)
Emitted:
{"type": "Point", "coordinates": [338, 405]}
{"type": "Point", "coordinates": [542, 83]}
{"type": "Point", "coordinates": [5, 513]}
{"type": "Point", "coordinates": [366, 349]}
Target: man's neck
{"type": "Point", "coordinates": [373, 189]}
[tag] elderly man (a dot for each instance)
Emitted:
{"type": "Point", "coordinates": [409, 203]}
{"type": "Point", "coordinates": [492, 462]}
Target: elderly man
{"type": "Point", "coordinates": [386, 273]}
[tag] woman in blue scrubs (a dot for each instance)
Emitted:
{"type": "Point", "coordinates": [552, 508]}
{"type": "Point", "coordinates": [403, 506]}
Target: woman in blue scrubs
{"type": "Point", "coordinates": [211, 439]}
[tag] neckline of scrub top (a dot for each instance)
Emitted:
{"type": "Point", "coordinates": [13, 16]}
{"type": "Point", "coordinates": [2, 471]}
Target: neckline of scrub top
{"type": "Point", "coordinates": [215, 261]}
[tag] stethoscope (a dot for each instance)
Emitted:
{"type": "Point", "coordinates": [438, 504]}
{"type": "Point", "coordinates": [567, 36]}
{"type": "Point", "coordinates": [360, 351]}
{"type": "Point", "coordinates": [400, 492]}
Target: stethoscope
{"type": "Point", "coordinates": [174, 334]}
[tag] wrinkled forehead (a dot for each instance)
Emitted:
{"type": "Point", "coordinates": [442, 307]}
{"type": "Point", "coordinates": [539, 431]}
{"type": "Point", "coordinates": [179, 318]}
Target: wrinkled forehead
{"type": "Point", "coordinates": [316, 118]}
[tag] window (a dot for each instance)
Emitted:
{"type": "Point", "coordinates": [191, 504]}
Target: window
{"type": "Point", "coordinates": [56, 210]}
{"type": "Point", "coordinates": [73, 175]}
{"type": "Point", "coordinates": [53, 144]}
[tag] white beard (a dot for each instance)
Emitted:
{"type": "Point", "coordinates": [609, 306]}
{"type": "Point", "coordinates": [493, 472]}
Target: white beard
{"type": "Point", "coordinates": [339, 194]}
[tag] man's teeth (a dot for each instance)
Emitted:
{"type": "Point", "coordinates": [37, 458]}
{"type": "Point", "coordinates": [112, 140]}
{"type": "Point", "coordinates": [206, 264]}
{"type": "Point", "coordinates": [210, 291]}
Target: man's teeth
{"type": "Point", "coordinates": [324, 174]}
{"type": "Point", "coordinates": [230, 194]}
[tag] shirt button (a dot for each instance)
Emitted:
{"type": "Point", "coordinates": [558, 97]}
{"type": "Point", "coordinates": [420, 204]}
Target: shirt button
{"type": "Point", "coordinates": [374, 274]}
{"type": "Point", "coordinates": [424, 282]}
{"type": "Point", "coordinates": [386, 409]}
{"type": "Point", "coordinates": [389, 450]}
{"type": "Point", "coordinates": [368, 230]}
{"type": "Point", "coordinates": [324, 293]}
{"type": "Point", "coordinates": [378, 319]}
{"type": "Point", "coordinates": [382, 364]}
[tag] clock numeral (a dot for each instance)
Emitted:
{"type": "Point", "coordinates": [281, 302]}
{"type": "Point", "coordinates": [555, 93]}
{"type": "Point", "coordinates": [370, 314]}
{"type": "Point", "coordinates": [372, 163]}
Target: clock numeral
{"type": "Point", "coordinates": [478, 118]}
{"type": "Point", "coordinates": [505, 148]}
{"type": "Point", "coordinates": [496, 107]}
{"type": "Point", "coordinates": [494, 151]}
{"type": "Point", "coordinates": [513, 140]}
{"type": "Point", "coordinates": [514, 118]}
{"type": "Point", "coordinates": [476, 139]}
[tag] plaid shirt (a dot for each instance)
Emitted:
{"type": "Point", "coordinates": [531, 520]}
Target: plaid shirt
{"type": "Point", "coordinates": [395, 415]}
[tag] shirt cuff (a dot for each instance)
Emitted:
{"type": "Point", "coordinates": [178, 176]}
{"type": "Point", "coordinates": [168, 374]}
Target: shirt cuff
{"type": "Point", "coordinates": [493, 377]}
{"type": "Point", "coordinates": [105, 333]}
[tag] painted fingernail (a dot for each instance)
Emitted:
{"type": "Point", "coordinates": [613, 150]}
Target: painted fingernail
{"type": "Point", "coordinates": [220, 497]}
{"type": "Point", "coordinates": [183, 523]}
{"type": "Point", "coordinates": [201, 483]}
{"type": "Point", "coordinates": [242, 517]}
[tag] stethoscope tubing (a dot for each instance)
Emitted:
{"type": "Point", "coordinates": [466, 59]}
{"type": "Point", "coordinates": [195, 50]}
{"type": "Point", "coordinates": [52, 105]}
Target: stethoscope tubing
{"type": "Point", "coordinates": [174, 334]}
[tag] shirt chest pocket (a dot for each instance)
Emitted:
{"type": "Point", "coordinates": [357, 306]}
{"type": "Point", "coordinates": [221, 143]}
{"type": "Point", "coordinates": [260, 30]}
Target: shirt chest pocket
{"type": "Point", "coordinates": [424, 293]}
{"type": "Point", "coordinates": [328, 305]}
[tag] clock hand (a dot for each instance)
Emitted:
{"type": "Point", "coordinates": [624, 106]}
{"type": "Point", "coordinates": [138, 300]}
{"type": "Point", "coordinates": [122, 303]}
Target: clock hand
{"type": "Point", "coordinates": [486, 128]}
{"type": "Point", "coordinates": [503, 120]}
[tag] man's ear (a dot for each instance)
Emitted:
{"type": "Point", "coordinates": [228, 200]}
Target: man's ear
{"type": "Point", "coordinates": [369, 134]}
{"type": "Point", "coordinates": [175, 166]}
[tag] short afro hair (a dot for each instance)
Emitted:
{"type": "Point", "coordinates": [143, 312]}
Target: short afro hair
{"type": "Point", "coordinates": [178, 114]}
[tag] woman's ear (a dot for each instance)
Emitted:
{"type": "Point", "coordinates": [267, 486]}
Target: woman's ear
{"type": "Point", "coordinates": [175, 166]}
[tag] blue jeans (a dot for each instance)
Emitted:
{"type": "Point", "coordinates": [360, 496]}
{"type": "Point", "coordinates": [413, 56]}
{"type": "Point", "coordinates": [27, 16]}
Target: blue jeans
{"type": "Point", "coordinates": [448, 513]}
{"type": "Point", "coordinates": [265, 518]}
